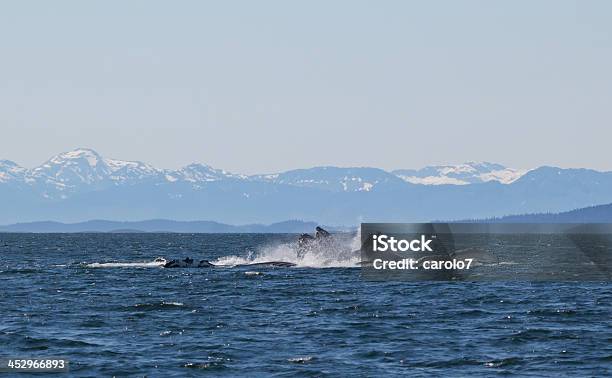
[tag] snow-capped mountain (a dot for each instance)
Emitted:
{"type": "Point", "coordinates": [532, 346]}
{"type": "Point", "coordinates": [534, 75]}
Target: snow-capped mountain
{"type": "Point", "coordinates": [69, 171]}
{"type": "Point", "coordinates": [122, 171]}
{"type": "Point", "coordinates": [84, 169]}
{"type": "Point", "coordinates": [10, 171]}
{"type": "Point", "coordinates": [198, 173]}
{"type": "Point", "coordinates": [461, 174]}
{"type": "Point", "coordinates": [81, 184]}
{"type": "Point", "coordinates": [332, 178]}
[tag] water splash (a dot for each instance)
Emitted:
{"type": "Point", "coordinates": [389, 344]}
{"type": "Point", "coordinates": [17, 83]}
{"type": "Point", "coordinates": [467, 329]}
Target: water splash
{"type": "Point", "coordinates": [342, 251]}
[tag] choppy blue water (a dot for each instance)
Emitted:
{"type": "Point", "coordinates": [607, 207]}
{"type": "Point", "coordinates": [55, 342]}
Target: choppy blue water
{"type": "Point", "coordinates": [288, 321]}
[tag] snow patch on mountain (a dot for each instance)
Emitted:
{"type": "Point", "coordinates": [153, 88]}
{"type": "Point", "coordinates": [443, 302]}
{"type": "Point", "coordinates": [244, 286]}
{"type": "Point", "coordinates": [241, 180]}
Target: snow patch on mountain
{"type": "Point", "coordinates": [124, 171]}
{"type": "Point", "coordinates": [506, 176]}
{"type": "Point", "coordinates": [91, 156]}
{"type": "Point", "coordinates": [10, 171]}
{"type": "Point", "coordinates": [433, 180]}
{"type": "Point", "coordinates": [461, 174]}
{"type": "Point", "coordinates": [200, 173]}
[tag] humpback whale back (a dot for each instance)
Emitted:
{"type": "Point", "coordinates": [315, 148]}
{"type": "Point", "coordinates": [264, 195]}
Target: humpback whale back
{"type": "Point", "coordinates": [190, 263]}
{"type": "Point", "coordinates": [271, 264]}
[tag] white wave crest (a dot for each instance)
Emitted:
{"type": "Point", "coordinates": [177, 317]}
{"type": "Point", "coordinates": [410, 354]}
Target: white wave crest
{"type": "Point", "coordinates": [158, 262]}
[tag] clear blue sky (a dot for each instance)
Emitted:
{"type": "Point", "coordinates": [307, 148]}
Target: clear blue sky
{"type": "Point", "coordinates": [263, 86]}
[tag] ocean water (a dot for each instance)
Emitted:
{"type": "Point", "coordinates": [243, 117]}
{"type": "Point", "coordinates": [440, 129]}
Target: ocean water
{"type": "Point", "coordinates": [317, 319]}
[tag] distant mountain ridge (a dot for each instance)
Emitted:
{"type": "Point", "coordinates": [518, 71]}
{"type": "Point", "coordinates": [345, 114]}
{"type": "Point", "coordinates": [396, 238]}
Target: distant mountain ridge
{"type": "Point", "coordinates": [81, 184]}
{"type": "Point", "coordinates": [591, 214]}
{"type": "Point", "coordinates": [159, 225]}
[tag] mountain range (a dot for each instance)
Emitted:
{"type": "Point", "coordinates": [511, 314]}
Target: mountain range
{"type": "Point", "coordinates": [79, 185]}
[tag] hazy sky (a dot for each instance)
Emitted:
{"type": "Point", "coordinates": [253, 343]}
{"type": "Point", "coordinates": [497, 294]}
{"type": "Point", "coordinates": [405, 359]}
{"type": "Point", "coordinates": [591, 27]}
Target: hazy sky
{"type": "Point", "coordinates": [262, 86]}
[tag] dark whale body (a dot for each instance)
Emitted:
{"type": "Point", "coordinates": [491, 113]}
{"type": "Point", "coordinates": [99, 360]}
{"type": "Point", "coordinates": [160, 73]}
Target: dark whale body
{"type": "Point", "coordinates": [190, 263]}
{"type": "Point", "coordinates": [272, 264]}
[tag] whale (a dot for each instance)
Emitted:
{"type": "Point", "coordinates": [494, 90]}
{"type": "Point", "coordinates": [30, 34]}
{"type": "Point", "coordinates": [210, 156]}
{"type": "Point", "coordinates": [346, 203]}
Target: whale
{"type": "Point", "coordinates": [191, 263]}
{"type": "Point", "coordinates": [270, 264]}
{"type": "Point", "coordinates": [188, 263]}
{"type": "Point", "coordinates": [322, 240]}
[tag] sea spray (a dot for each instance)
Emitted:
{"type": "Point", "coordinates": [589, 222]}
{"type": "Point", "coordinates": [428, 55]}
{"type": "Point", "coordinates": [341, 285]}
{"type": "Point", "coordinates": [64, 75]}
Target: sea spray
{"type": "Point", "coordinates": [343, 251]}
